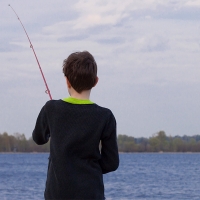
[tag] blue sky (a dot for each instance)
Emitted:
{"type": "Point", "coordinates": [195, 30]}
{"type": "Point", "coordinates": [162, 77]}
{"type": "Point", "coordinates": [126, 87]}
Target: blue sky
{"type": "Point", "coordinates": [148, 56]}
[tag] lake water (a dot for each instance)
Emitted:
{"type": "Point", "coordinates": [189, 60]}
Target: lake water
{"type": "Point", "coordinates": [140, 176]}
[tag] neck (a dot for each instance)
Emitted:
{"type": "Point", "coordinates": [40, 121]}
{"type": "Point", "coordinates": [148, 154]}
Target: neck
{"type": "Point", "coordinates": [83, 95]}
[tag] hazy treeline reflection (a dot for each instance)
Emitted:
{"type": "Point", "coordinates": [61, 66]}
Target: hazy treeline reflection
{"type": "Point", "coordinates": [159, 142]}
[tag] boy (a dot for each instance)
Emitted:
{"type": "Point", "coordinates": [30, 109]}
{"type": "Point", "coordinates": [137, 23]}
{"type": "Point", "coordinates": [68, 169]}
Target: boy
{"type": "Point", "coordinates": [76, 126]}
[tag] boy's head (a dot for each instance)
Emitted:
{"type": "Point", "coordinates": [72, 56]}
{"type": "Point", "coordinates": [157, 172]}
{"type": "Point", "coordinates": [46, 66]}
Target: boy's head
{"type": "Point", "coordinates": [80, 69]}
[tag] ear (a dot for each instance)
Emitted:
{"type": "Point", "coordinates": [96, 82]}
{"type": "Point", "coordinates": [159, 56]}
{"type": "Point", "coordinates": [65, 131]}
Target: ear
{"type": "Point", "coordinates": [97, 79]}
{"type": "Point", "coordinates": [68, 83]}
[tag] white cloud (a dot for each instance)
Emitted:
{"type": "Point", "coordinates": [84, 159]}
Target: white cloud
{"type": "Point", "coordinates": [193, 3]}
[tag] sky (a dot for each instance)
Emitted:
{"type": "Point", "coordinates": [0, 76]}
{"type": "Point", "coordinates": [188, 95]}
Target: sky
{"type": "Point", "coordinates": [147, 52]}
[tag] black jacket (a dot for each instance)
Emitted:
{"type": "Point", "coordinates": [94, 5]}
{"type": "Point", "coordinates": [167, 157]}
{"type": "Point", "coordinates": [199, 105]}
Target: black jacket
{"type": "Point", "coordinates": [75, 164]}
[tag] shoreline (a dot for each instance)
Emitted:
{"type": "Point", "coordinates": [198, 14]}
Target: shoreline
{"type": "Point", "coordinates": [24, 152]}
{"type": "Point", "coordinates": [119, 152]}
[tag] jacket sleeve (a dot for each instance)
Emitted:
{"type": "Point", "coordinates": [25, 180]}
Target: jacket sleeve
{"type": "Point", "coordinates": [109, 151]}
{"type": "Point", "coordinates": [41, 132]}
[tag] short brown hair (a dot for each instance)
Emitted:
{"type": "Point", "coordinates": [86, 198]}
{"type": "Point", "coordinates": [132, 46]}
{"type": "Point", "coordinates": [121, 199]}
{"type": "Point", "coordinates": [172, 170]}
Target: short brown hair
{"type": "Point", "coordinates": [80, 69]}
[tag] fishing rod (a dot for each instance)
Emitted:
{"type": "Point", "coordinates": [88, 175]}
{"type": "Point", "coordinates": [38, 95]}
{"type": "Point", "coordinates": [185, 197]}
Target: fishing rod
{"type": "Point", "coordinates": [31, 46]}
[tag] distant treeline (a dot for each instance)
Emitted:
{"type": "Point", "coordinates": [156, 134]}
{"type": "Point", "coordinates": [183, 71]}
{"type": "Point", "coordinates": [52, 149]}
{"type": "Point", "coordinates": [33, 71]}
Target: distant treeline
{"type": "Point", "coordinates": [159, 142]}
{"type": "Point", "coordinates": [19, 143]}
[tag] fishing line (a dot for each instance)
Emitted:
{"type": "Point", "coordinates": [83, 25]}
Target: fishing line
{"type": "Point", "coordinates": [31, 46]}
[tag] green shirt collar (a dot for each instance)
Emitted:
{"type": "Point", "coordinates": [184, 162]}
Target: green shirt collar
{"type": "Point", "coordinates": [77, 101]}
